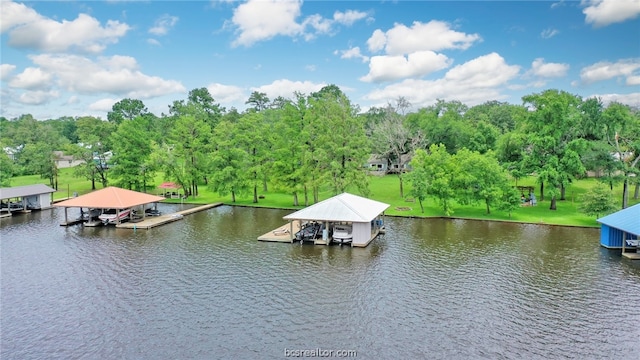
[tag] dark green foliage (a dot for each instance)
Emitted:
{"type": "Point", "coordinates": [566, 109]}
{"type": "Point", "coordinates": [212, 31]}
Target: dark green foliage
{"type": "Point", "coordinates": [598, 201]}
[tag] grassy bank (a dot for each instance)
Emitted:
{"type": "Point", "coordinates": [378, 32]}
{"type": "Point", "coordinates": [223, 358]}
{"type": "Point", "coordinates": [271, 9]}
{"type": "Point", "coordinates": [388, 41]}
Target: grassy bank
{"type": "Point", "coordinates": [385, 189]}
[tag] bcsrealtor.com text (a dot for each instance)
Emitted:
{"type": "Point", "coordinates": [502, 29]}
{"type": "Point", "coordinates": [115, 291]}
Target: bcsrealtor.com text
{"type": "Point", "coordinates": [317, 352]}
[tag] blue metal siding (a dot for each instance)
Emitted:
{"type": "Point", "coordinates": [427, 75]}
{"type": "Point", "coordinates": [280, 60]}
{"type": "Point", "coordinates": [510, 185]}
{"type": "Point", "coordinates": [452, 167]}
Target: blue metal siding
{"type": "Point", "coordinates": [604, 235]}
{"type": "Point", "coordinates": [612, 237]}
{"type": "Point", "coordinates": [627, 220]}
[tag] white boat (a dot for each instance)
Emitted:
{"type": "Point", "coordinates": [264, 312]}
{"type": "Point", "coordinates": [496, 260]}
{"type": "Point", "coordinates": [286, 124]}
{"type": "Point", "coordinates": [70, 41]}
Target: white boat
{"type": "Point", "coordinates": [635, 243]}
{"type": "Point", "coordinates": [342, 233]}
{"type": "Point", "coordinates": [109, 216]}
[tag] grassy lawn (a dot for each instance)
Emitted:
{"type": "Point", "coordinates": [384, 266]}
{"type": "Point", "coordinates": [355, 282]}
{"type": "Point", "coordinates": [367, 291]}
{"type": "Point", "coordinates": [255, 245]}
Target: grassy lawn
{"type": "Point", "coordinates": [385, 189]}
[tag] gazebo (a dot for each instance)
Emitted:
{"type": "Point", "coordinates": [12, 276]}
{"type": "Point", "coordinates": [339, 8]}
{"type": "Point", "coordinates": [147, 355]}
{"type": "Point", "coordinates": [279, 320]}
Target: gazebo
{"type": "Point", "coordinates": [109, 198]}
{"type": "Point", "coordinates": [167, 185]}
{"type": "Point", "coordinates": [362, 214]}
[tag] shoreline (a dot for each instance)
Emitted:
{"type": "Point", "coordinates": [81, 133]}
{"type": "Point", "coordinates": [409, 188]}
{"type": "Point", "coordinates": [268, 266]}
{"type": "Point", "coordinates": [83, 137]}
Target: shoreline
{"type": "Point", "coordinates": [405, 216]}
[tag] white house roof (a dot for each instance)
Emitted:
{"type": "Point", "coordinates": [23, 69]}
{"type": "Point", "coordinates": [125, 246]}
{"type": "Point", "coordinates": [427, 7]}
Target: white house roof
{"type": "Point", "coordinates": [22, 191]}
{"type": "Point", "coordinates": [343, 207]}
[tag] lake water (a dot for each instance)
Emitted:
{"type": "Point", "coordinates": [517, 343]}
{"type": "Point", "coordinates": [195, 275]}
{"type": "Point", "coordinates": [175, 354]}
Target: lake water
{"type": "Point", "coordinates": [205, 288]}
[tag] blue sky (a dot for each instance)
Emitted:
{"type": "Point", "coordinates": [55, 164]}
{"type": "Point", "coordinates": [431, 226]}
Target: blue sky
{"type": "Point", "coordinates": [75, 58]}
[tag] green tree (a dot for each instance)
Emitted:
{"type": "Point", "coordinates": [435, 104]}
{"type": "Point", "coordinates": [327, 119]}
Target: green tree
{"type": "Point", "coordinates": [251, 135]}
{"type": "Point", "coordinates": [392, 140]}
{"type": "Point", "coordinates": [442, 123]}
{"type": "Point", "coordinates": [479, 178]}
{"type": "Point", "coordinates": [554, 147]}
{"type": "Point", "coordinates": [598, 200]}
{"type": "Point", "coordinates": [291, 148]}
{"type": "Point", "coordinates": [418, 177]}
{"type": "Point", "coordinates": [437, 171]}
{"type": "Point", "coordinates": [229, 162]}
{"type": "Point", "coordinates": [339, 139]}
{"type": "Point", "coordinates": [126, 109]}
{"type": "Point", "coordinates": [623, 135]}
{"type": "Point", "coordinates": [37, 158]}
{"type": "Point", "coordinates": [509, 200]}
{"type": "Point", "coordinates": [258, 100]}
{"type": "Point", "coordinates": [201, 105]}
{"type": "Point", "coordinates": [7, 170]}
{"type": "Point", "coordinates": [93, 148]}
{"type": "Point", "coordinates": [131, 155]}
{"type": "Point", "coordinates": [190, 142]}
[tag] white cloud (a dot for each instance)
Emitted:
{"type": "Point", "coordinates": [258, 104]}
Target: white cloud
{"type": "Point", "coordinates": [606, 12]}
{"type": "Point", "coordinates": [32, 79]}
{"type": "Point", "coordinates": [353, 53]}
{"type": "Point", "coordinates": [632, 99]}
{"type": "Point", "coordinates": [105, 105]}
{"type": "Point", "coordinates": [633, 80]}
{"type": "Point", "coordinates": [548, 70]}
{"type": "Point", "coordinates": [377, 40]}
{"type": "Point", "coordinates": [116, 75]}
{"type": "Point", "coordinates": [73, 99]}
{"type": "Point", "coordinates": [605, 70]}
{"type": "Point", "coordinates": [13, 14]}
{"type": "Point", "coordinates": [153, 42]}
{"type": "Point", "coordinates": [473, 82]}
{"type": "Point", "coordinates": [549, 33]}
{"type": "Point", "coordinates": [417, 64]}
{"type": "Point", "coordinates": [28, 29]}
{"type": "Point", "coordinates": [286, 88]}
{"type": "Point", "coordinates": [163, 24]}
{"type": "Point", "coordinates": [226, 94]}
{"type": "Point", "coordinates": [5, 71]}
{"type": "Point", "coordinates": [434, 35]}
{"type": "Point", "coordinates": [310, 67]}
{"type": "Point", "coordinates": [348, 17]}
{"type": "Point", "coordinates": [37, 97]}
{"type": "Point", "coordinates": [319, 24]}
{"type": "Point", "coordinates": [483, 72]}
{"type": "Point", "coordinates": [260, 20]}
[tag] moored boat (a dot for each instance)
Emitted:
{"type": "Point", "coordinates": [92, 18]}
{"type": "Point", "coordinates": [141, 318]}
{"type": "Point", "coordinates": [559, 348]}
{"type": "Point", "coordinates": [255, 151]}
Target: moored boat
{"type": "Point", "coordinates": [113, 216]}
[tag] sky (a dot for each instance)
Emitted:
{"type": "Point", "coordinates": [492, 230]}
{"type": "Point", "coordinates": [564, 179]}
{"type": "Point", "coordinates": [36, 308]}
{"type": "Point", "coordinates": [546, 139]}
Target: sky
{"type": "Point", "coordinates": [78, 58]}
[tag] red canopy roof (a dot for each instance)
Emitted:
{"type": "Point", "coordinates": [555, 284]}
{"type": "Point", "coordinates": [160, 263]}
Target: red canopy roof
{"type": "Point", "coordinates": [169, 185]}
{"type": "Point", "coordinates": [110, 198]}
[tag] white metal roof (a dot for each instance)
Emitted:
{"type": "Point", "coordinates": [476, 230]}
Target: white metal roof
{"type": "Point", "coordinates": [343, 207]}
{"type": "Point", "coordinates": [27, 190]}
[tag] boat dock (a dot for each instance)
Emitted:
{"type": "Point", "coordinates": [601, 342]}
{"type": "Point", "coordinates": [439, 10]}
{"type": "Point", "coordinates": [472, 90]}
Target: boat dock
{"type": "Point", "coordinates": [153, 221]}
{"type": "Point", "coordinates": [281, 234]}
{"type": "Point", "coordinates": [631, 255]}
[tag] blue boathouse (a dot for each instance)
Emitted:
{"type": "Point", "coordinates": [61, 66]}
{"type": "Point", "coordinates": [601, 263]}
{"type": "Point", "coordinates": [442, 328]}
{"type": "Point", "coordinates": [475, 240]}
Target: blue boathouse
{"type": "Point", "coordinates": [621, 230]}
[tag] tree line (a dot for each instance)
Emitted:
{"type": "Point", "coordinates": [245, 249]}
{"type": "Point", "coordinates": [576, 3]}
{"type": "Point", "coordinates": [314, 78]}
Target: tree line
{"type": "Point", "coordinates": [457, 154]}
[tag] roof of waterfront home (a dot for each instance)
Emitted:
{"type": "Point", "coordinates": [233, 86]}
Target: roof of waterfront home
{"type": "Point", "coordinates": [27, 190]}
{"type": "Point", "coordinates": [627, 220]}
{"type": "Point", "coordinates": [343, 207]}
{"type": "Point", "coordinates": [110, 198]}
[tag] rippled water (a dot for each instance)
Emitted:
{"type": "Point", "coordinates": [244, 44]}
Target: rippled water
{"type": "Point", "coordinates": [204, 288]}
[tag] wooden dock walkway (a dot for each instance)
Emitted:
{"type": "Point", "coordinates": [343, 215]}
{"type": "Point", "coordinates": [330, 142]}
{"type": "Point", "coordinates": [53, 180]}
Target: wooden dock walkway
{"type": "Point", "coordinates": [631, 255]}
{"type": "Point", "coordinates": [281, 234]}
{"type": "Point", "coordinates": [153, 221]}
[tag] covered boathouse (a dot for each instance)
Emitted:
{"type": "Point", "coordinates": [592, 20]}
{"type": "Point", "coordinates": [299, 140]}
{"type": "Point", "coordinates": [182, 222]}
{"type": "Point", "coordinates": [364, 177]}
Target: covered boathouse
{"type": "Point", "coordinates": [358, 219]}
{"type": "Point", "coordinates": [621, 230]}
{"type": "Point", "coordinates": [25, 198]}
{"type": "Point", "coordinates": [108, 198]}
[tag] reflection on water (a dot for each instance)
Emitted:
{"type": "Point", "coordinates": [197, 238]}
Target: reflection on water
{"type": "Point", "coordinates": [204, 287]}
